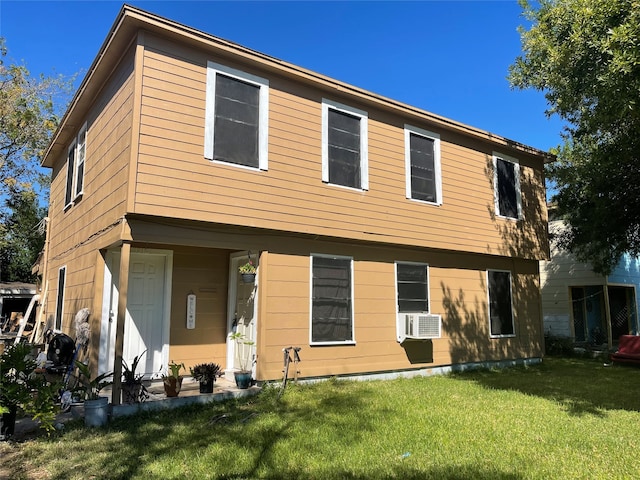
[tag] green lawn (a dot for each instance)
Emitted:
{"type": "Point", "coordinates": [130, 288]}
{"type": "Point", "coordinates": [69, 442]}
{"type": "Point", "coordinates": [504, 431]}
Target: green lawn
{"type": "Point", "coordinates": [565, 419]}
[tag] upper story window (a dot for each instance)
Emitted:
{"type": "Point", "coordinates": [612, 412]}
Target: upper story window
{"type": "Point", "coordinates": [506, 181]}
{"type": "Point", "coordinates": [76, 156]}
{"type": "Point", "coordinates": [236, 117]}
{"type": "Point", "coordinates": [331, 300]}
{"type": "Point", "coordinates": [422, 160]}
{"type": "Point", "coordinates": [500, 303]}
{"type": "Point", "coordinates": [344, 146]}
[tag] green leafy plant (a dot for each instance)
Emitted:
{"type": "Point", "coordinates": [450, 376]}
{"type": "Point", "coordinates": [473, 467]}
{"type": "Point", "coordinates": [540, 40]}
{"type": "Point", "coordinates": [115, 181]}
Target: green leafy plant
{"type": "Point", "coordinates": [133, 388]}
{"type": "Point", "coordinates": [21, 387]}
{"type": "Point", "coordinates": [205, 372]}
{"type": "Point", "coordinates": [129, 375]}
{"type": "Point", "coordinates": [243, 350]}
{"type": "Point", "coordinates": [174, 370]}
{"type": "Point", "coordinates": [247, 268]}
{"type": "Point", "coordinates": [89, 387]}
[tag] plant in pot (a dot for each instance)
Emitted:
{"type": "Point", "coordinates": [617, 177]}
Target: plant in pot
{"type": "Point", "coordinates": [248, 271]}
{"type": "Point", "coordinates": [206, 374]}
{"type": "Point", "coordinates": [96, 408]}
{"type": "Point", "coordinates": [243, 352]}
{"type": "Point", "coordinates": [21, 388]}
{"type": "Point", "coordinates": [173, 380]}
{"type": "Point", "coordinates": [133, 388]}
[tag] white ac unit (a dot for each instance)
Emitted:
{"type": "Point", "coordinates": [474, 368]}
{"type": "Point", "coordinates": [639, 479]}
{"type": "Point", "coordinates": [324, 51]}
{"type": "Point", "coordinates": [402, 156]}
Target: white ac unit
{"type": "Point", "coordinates": [421, 326]}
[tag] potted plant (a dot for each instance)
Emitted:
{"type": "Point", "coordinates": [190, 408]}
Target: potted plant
{"type": "Point", "coordinates": [133, 389]}
{"type": "Point", "coordinates": [22, 388]}
{"type": "Point", "coordinates": [243, 352]}
{"type": "Point", "coordinates": [206, 374]}
{"type": "Point", "coordinates": [96, 408]}
{"type": "Point", "coordinates": [173, 380]}
{"type": "Point", "coordinates": [248, 271]}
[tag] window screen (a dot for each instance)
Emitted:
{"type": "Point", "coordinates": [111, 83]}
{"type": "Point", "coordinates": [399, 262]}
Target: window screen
{"type": "Point", "coordinates": [423, 179]}
{"type": "Point", "coordinates": [331, 317]}
{"type": "Point", "coordinates": [412, 288]}
{"type": "Point", "coordinates": [507, 191]}
{"type": "Point", "coordinates": [344, 149]}
{"type": "Point", "coordinates": [82, 145]}
{"type": "Point", "coordinates": [500, 310]}
{"type": "Point", "coordinates": [60, 297]}
{"type": "Point", "coordinates": [68, 196]}
{"type": "Point", "coordinates": [236, 121]}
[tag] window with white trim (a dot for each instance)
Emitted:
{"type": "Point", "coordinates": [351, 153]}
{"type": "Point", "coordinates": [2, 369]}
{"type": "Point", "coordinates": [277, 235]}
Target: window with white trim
{"type": "Point", "coordinates": [412, 287]}
{"type": "Point", "coordinates": [506, 181]}
{"type": "Point", "coordinates": [62, 274]}
{"type": "Point", "coordinates": [236, 117]}
{"type": "Point", "coordinates": [344, 146]}
{"type": "Point", "coordinates": [422, 164]}
{"type": "Point", "coordinates": [500, 303]}
{"type": "Point", "coordinates": [331, 299]}
{"type": "Point", "coordinates": [76, 156]}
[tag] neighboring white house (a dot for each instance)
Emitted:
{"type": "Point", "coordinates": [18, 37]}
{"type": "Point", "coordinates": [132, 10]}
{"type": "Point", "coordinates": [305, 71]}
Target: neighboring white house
{"type": "Point", "coordinates": [585, 306]}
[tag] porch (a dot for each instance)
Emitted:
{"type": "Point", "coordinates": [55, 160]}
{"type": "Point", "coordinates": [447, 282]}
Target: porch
{"type": "Point", "coordinates": [189, 395]}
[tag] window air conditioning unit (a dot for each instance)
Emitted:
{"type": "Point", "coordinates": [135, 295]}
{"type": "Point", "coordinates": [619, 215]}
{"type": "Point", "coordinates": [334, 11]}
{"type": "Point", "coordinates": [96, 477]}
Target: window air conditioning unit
{"type": "Point", "coordinates": [421, 326]}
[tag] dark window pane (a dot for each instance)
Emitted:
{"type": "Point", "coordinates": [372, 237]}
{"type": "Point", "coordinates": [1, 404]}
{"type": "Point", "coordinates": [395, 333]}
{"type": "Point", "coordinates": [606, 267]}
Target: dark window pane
{"type": "Point", "coordinates": [344, 149]}
{"type": "Point", "coordinates": [61, 282]}
{"type": "Point", "coordinates": [500, 311]}
{"type": "Point", "coordinates": [423, 179]}
{"type": "Point", "coordinates": [413, 290]}
{"type": "Point", "coordinates": [331, 315]}
{"type": "Point", "coordinates": [69, 187]}
{"type": "Point", "coordinates": [507, 194]}
{"type": "Point", "coordinates": [236, 122]}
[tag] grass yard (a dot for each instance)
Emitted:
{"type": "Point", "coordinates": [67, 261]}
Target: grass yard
{"type": "Point", "coordinates": [564, 419]}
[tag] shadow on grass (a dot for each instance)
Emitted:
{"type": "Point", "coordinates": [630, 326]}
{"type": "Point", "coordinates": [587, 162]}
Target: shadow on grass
{"type": "Point", "coordinates": [581, 386]}
{"type": "Point", "coordinates": [240, 436]}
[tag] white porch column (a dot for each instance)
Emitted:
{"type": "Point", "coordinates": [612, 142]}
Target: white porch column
{"type": "Point", "coordinates": [123, 286]}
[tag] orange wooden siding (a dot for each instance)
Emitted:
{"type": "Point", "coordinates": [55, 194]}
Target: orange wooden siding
{"type": "Point", "coordinates": [175, 180]}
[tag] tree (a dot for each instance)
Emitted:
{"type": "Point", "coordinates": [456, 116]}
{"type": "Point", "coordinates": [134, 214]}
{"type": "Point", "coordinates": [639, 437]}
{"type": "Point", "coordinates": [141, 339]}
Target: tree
{"type": "Point", "coordinates": [29, 114]}
{"type": "Point", "coordinates": [21, 240]}
{"type": "Point", "coordinates": [585, 56]}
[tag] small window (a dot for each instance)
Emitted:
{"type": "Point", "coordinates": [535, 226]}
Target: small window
{"type": "Point", "coordinates": [412, 284]}
{"type": "Point", "coordinates": [76, 156]}
{"type": "Point", "coordinates": [236, 123]}
{"type": "Point", "coordinates": [422, 159]}
{"type": "Point", "coordinates": [507, 186]}
{"type": "Point", "coordinates": [331, 300]}
{"type": "Point", "coordinates": [500, 303]}
{"type": "Point", "coordinates": [81, 149]}
{"type": "Point", "coordinates": [62, 273]}
{"type": "Point", "coordinates": [344, 146]}
{"type": "Point", "coordinates": [71, 164]}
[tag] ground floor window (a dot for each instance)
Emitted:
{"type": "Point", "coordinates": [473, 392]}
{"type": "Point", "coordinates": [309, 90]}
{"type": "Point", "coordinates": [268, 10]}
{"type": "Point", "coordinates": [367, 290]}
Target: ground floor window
{"type": "Point", "coordinates": [500, 303]}
{"type": "Point", "coordinates": [331, 299]}
{"type": "Point", "coordinates": [62, 274]}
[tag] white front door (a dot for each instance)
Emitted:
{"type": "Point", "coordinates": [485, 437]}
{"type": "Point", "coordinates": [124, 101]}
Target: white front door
{"type": "Point", "coordinates": [146, 323]}
{"type": "Point", "coordinates": [242, 314]}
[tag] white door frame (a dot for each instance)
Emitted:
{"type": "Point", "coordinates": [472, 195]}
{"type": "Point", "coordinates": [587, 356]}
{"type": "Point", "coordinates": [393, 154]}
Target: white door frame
{"type": "Point", "coordinates": [110, 299]}
{"type": "Point", "coordinates": [235, 260]}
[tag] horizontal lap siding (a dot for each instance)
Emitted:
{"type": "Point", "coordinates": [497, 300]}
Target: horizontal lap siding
{"type": "Point", "coordinates": [175, 180]}
{"type": "Point", "coordinates": [203, 272]}
{"type": "Point", "coordinates": [457, 291]}
{"type": "Point", "coordinates": [81, 229]}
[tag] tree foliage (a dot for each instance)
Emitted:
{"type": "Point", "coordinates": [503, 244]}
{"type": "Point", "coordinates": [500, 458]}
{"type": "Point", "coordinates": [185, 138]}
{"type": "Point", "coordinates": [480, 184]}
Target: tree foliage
{"type": "Point", "coordinates": [585, 56]}
{"type": "Point", "coordinates": [29, 114]}
{"type": "Point", "coordinates": [28, 117]}
{"type": "Point", "coordinates": [20, 238]}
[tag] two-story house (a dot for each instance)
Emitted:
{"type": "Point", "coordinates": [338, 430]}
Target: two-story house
{"type": "Point", "coordinates": [387, 238]}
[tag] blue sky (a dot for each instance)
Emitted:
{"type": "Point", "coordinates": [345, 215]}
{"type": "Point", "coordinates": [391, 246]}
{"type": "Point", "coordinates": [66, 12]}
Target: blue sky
{"type": "Point", "coordinates": [447, 57]}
